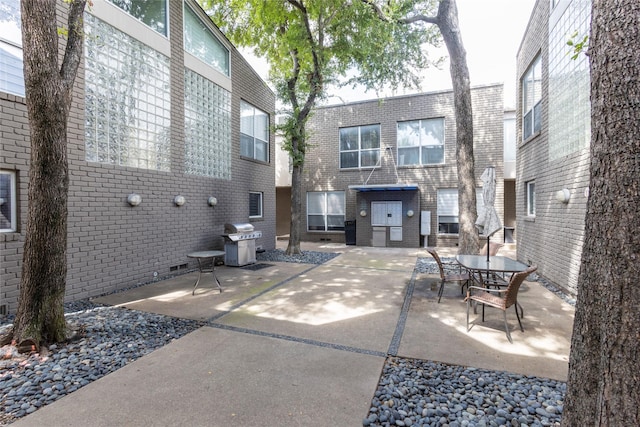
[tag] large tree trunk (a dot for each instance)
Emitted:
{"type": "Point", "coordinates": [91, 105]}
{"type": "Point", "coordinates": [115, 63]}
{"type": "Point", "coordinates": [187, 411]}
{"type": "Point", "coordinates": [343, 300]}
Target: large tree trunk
{"type": "Point", "coordinates": [293, 247]}
{"type": "Point", "coordinates": [603, 387]}
{"type": "Point", "coordinates": [468, 241]}
{"type": "Point", "coordinates": [40, 315]}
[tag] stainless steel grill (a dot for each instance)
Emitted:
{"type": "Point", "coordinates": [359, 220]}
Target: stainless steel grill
{"type": "Point", "coordinates": [240, 244]}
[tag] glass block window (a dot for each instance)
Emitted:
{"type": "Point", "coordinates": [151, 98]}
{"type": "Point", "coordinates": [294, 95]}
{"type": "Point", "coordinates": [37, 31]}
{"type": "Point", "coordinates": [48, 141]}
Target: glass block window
{"type": "Point", "coordinates": [359, 147]}
{"type": "Point", "coordinates": [325, 210]}
{"type": "Point", "coordinates": [11, 75]}
{"type": "Point", "coordinates": [254, 132]}
{"type": "Point", "coordinates": [569, 83]}
{"type": "Point", "coordinates": [8, 220]}
{"type": "Point", "coordinates": [207, 116]}
{"type": "Point", "coordinates": [421, 142]}
{"type": "Point", "coordinates": [127, 100]}
{"type": "Point", "coordinates": [255, 204]}
{"type": "Point", "coordinates": [203, 44]}
{"type": "Point", "coordinates": [152, 13]}
{"type": "Point", "coordinates": [531, 99]}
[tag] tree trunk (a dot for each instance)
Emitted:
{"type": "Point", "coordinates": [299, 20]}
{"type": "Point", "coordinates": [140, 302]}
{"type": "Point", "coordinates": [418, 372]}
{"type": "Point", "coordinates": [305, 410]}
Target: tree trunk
{"type": "Point", "coordinates": [468, 241]}
{"type": "Point", "coordinates": [293, 247]}
{"type": "Point", "coordinates": [603, 386]}
{"type": "Point", "coordinates": [40, 315]}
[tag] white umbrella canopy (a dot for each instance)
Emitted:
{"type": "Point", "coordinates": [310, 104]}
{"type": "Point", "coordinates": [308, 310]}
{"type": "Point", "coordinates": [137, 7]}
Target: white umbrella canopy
{"type": "Point", "coordinates": [488, 221]}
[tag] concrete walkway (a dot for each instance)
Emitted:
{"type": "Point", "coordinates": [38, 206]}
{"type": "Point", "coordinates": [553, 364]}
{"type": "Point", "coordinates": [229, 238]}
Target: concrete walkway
{"type": "Point", "coordinates": [304, 345]}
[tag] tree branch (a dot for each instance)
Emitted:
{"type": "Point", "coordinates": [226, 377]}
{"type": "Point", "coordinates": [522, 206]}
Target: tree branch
{"type": "Point", "coordinates": [73, 50]}
{"type": "Point", "coordinates": [406, 20]}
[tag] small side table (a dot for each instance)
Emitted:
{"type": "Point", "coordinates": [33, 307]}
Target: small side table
{"type": "Point", "coordinates": [202, 257]}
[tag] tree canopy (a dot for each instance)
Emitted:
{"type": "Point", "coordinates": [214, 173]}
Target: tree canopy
{"type": "Point", "coordinates": [311, 43]}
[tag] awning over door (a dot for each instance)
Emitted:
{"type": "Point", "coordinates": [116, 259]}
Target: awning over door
{"type": "Point", "coordinates": [384, 187]}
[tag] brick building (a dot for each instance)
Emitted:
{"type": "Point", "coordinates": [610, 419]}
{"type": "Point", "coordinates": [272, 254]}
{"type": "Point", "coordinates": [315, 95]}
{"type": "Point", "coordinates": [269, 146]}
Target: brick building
{"type": "Point", "coordinates": [380, 165]}
{"type": "Point", "coordinates": [164, 106]}
{"type": "Point", "coordinates": [553, 134]}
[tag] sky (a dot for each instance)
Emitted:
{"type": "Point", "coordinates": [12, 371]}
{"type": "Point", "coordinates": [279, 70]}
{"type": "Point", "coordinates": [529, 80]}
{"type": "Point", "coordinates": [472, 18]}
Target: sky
{"type": "Point", "coordinates": [491, 33]}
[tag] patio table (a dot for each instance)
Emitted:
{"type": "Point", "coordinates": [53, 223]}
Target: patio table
{"type": "Point", "coordinates": [202, 257]}
{"type": "Point", "coordinates": [496, 264]}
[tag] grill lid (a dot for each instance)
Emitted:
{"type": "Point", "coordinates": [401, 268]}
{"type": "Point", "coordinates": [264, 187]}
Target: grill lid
{"type": "Point", "coordinates": [238, 228]}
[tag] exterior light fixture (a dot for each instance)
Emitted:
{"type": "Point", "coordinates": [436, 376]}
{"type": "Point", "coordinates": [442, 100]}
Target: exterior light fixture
{"type": "Point", "coordinates": [563, 195]}
{"type": "Point", "coordinates": [363, 213]}
{"type": "Point", "coordinates": [410, 213]}
{"type": "Point", "coordinates": [179, 200]}
{"type": "Point", "coordinates": [134, 199]}
{"type": "Point", "coordinates": [212, 201]}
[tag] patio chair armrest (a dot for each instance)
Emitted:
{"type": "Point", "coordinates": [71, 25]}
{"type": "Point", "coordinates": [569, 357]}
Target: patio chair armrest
{"type": "Point", "coordinates": [479, 288]}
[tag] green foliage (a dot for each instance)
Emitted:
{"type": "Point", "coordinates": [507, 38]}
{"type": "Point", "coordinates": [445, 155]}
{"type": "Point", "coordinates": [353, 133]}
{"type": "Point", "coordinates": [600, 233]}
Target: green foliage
{"type": "Point", "coordinates": [577, 45]}
{"type": "Point", "coordinates": [311, 43]}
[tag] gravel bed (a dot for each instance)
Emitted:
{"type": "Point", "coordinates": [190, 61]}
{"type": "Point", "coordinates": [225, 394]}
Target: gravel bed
{"type": "Point", "coordinates": [307, 257]}
{"type": "Point", "coordinates": [108, 338]}
{"type": "Point", "coordinates": [421, 393]}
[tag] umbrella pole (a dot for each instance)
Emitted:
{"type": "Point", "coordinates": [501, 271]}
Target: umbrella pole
{"type": "Point", "coordinates": [488, 247]}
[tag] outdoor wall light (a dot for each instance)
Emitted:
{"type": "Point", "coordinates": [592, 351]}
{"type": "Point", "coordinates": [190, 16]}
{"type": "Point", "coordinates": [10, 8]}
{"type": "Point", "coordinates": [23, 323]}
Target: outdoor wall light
{"type": "Point", "coordinates": [212, 201]}
{"type": "Point", "coordinates": [134, 199]}
{"type": "Point", "coordinates": [563, 195]}
{"type": "Point", "coordinates": [363, 213]}
{"type": "Point", "coordinates": [410, 213]}
{"type": "Point", "coordinates": [179, 200]}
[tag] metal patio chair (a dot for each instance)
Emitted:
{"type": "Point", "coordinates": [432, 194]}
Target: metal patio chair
{"type": "Point", "coordinates": [462, 278]}
{"type": "Point", "coordinates": [499, 298]}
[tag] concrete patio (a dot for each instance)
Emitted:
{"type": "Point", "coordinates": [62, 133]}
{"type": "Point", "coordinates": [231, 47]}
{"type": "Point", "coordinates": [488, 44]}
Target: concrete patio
{"type": "Point", "coordinates": [301, 344]}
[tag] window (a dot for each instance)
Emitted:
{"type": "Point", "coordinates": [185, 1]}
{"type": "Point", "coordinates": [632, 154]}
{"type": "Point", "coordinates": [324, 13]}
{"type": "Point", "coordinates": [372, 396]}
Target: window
{"type": "Point", "coordinates": [207, 131]}
{"type": "Point", "coordinates": [255, 205]}
{"type": "Point", "coordinates": [254, 132]}
{"type": "Point", "coordinates": [7, 201]}
{"type": "Point", "coordinates": [11, 75]}
{"type": "Point", "coordinates": [421, 142]}
{"type": "Point", "coordinates": [531, 198]}
{"type": "Point", "coordinates": [448, 214]}
{"type": "Point", "coordinates": [531, 99]}
{"type": "Point", "coordinates": [359, 147]}
{"type": "Point", "coordinates": [325, 211]}
{"type": "Point", "coordinates": [203, 44]}
{"type": "Point", "coordinates": [127, 100]}
{"type": "Point", "coordinates": [151, 13]}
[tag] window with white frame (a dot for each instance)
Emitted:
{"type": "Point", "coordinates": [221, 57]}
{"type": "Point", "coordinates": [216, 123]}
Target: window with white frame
{"type": "Point", "coordinates": [532, 99]}
{"type": "Point", "coordinates": [11, 75]}
{"type": "Point", "coordinates": [8, 220]}
{"type": "Point", "coordinates": [151, 13]}
{"type": "Point", "coordinates": [255, 204]}
{"type": "Point", "coordinates": [359, 147]}
{"type": "Point", "coordinates": [127, 99]}
{"type": "Point", "coordinates": [531, 198]}
{"type": "Point", "coordinates": [448, 212]}
{"type": "Point", "coordinates": [421, 142]}
{"type": "Point", "coordinates": [200, 41]}
{"type": "Point", "coordinates": [325, 210]}
{"type": "Point", "coordinates": [254, 132]}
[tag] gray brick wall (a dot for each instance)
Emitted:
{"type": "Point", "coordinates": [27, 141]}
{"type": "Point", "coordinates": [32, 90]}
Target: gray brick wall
{"type": "Point", "coordinates": [112, 245]}
{"type": "Point", "coordinates": [553, 239]}
{"type": "Point", "coordinates": [322, 172]}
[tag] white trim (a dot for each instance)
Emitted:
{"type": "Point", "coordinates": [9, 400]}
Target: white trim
{"type": "Point", "coordinates": [118, 18]}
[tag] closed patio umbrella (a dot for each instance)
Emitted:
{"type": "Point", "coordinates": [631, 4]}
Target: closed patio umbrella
{"type": "Point", "coordinates": [488, 221]}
